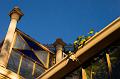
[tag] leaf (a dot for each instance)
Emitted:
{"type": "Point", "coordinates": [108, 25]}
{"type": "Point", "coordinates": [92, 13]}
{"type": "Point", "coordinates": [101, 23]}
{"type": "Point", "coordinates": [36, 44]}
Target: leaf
{"type": "Point", "coordinates": [80, 37]}
{"type": "Point", "coordinates": [91, 31]}
{"type": "Point", "coordinates": [83, 40]}
{"type": "Point", "coordinates": [75, 42]}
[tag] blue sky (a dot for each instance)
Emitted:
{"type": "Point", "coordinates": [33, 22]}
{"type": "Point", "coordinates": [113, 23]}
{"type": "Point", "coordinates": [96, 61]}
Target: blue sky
{"type": "Point", "coordinates": [46, 20]}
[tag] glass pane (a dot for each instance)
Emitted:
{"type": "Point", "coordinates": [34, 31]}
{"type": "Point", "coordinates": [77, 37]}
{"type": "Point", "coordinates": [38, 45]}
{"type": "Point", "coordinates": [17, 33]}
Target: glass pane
{"type": "Point", "coordinates": [42, 55]}
{"type": "Point", "coordinates": [29, 54]}
{"type": "Point", "coordinates": [13, 62]}
{"type": "Point", "coordinates": [98, 70]}
{"type": "Point", "coordinates": [115, 61]}
{"type": "Point", "coordinates": [74, 75]}
{"type": "Point", "coordinates": [20, 43]}
{"type": "Point", "coordinates": [33, 44]}
{"type": "Point", "coordinates": [26, 68]}
{"type": "Point", "coordinates": [38, 70]}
